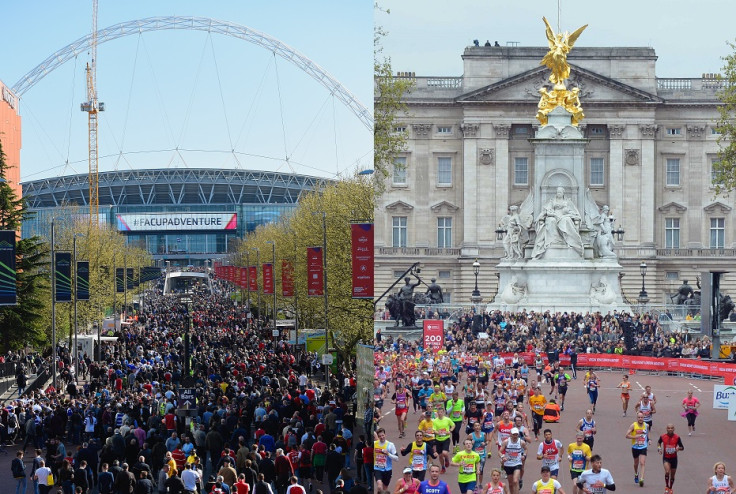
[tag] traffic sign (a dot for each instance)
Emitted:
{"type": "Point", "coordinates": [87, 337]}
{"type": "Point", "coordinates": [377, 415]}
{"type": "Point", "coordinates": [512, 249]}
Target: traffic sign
{"type": "Point", "coordinates": [327, 359]}
{"type": "Point", "coordinates": [275, 332]}
{"type": "Point", "coordinates": [187, 398]}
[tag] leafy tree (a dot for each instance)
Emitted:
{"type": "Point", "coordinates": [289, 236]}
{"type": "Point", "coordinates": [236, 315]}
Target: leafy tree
{"type": "Point", "coordinates": [24, 323]}
{"type": "Point", "coordinates": [388, 108]}
{"type": "Point", "coordinates": [350, 321]}
{"type": "Point", "coordinates": [724, 169]}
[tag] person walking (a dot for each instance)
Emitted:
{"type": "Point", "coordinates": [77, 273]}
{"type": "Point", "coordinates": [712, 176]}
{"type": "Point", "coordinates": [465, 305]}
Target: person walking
{"type": "Point", "coordinates": [18, 468]}
{"type": "Point", "coordinates": [668, 445]}
{"type": "Point", "coordinates": [690, 406]}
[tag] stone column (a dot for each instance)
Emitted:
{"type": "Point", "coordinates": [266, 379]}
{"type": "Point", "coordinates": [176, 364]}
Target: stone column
{"type": "Point", "coordinates": [471, 219]}
{"type": "Point", "coordinates": [697, 177]}
{"type": "Point", "coordinates": [616, 168]}
{"type": "Point", "coordinates": [499, 192]}
{"type": "Point", "coordinates": [639, 186]}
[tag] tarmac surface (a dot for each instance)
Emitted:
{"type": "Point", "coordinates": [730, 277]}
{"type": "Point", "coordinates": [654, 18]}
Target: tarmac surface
{"type": "Point", "coordinates": [712, 440]}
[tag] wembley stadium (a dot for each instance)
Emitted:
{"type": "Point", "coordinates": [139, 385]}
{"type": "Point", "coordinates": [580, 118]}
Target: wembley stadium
{"type": "Point", "coordinates": [184, 216]}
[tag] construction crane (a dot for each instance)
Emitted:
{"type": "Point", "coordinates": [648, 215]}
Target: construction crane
{"type": "Point", "coordinates": [92, 107]}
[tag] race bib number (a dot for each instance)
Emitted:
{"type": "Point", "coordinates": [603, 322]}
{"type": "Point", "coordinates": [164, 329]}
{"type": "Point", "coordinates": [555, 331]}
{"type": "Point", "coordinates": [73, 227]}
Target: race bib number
{"type": "Point", "coordinates": [401, 405]}
{"type": "Point", "coordinates": [578, 464]}
{"type": "Point", "coordinates": [418, 462]}
{"type": "Point", "coordinates": [588, 433]}
{"type": "Point", "coordinates": [670, 451]}
{"type": "Point", "coordinates": [468, 468]}
{"type": "Point", "coordinates": [544, 491]}
{"type": "Point", "coordinates": [381, 461]}
{"type": "Point", "coordinates": [513, 454]}
{"type": "Point", "coordinates": [641, 440]}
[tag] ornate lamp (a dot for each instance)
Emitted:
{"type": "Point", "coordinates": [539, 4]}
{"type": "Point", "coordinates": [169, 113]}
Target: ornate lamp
{"type": "Point", "coordinates": [500, 233]}
{"type": "Point", "coordinates": [643, 296]}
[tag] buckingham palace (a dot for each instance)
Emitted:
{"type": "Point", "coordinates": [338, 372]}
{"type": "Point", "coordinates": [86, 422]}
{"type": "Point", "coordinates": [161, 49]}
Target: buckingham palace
{"type": "Point", "coordinates": [651, 144]}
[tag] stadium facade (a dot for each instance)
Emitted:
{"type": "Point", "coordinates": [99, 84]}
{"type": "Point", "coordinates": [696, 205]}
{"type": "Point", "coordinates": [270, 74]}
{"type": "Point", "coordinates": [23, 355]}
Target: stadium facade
{"type": "Point", "coordinates": [182, 215]}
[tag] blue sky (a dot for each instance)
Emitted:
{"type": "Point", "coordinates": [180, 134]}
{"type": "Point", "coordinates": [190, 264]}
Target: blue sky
{"type": "Point", "coordinates": [203, 94]}
{"type": "Point", "coordinates": [428, 36]}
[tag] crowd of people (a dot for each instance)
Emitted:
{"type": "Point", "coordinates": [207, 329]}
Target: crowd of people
{"type": "Point", "coordinates": [474, 404]}
{"type": "Point", "coordinates": [263, 420]}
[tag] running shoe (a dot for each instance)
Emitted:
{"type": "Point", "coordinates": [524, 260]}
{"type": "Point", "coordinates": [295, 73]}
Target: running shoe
{"type": "Point", "coordinates": [636, 478]}
{"type": "Point", "coordinates": [641, 482]}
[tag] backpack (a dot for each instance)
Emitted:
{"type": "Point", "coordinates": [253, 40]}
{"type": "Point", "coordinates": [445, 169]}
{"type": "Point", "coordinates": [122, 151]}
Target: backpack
{"type": "Point", "coordinates": [12, 421]}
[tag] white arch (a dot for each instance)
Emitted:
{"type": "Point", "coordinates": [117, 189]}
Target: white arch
{"type": "Point", "coordinates": [128, 28]}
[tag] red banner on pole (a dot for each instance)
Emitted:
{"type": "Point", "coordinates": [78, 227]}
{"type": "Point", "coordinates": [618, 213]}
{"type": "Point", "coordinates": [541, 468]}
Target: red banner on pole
{"type": "Point", "coordinates": [315, 280]}
{"type": "Point", "coordinates": [268, 278]}
{"type": "Point", "coordinates": [362, 252]}
{"type": "Point", "coordinates": [253, 278]}
{"type": "Point", "coordinates": [243, 278]}
{"type": "Point", "coordinates": [434, 334]}
{"type": "Point", "coordinates": [230, 273]}
{"type": "Point", "coordinates": [287, 279]}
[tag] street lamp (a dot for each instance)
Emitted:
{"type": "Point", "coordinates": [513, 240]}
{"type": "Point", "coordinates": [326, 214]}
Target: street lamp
{"type": "Point", "coordinates": [324, 289]}
{"type": "Point", "coordinates": [500, 232]}
{"type": "Point", "coordinates": [273, 287]}
{"type": "Point", "coordinates": [76, 297]}
{"type": "Point", "coordinates": [258, 262]}
{"type": "Point", "coordinates": [476, 270]}
{"type": "Point", "coordinates": [643, 297]}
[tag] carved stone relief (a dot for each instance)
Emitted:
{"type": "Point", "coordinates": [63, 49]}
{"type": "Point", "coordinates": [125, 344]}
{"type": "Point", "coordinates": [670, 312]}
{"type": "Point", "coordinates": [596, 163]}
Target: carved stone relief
{"type": "Point", "coordinates": [487, 156]}
{"type": "Point", "coordinates": [648, 130]}
{"type": "Point", "coordinates": [421, 130]}
{"type": "Point", "coordinates": [616, 131]}
{"type": "Point", "coordinates": [631, 157]}
{"type": "Point", "coordinates": [502, 130]}
{"type": "Point", "coordinates": [469, 129]}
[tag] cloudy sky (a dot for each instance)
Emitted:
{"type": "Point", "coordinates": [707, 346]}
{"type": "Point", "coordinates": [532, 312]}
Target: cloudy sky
{"type": "Point", "coordinates": [428, 36]}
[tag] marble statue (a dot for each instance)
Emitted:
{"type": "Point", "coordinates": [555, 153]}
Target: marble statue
{"type": "Point", "coordinates": [514, 292]}
{"type": "Point", "coordinates": [603, 236]}
{"type": "Point", "coordinates": [512, 238]}
{"type": "Point", "coordinates": [601, 293]}
{"type": "Point", "coordinates": [558, 223]}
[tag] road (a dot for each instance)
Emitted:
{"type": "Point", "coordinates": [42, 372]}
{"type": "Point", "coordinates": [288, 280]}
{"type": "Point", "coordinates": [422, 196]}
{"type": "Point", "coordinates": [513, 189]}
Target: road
{"type": "Point", "coordinates": [711, 442]}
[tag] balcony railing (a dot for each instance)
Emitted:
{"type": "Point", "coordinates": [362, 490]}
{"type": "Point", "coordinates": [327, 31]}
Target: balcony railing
{"type": "Point", "coordinates": [696, 252]}
{"type": "Point", "coordinates": [690, 84]}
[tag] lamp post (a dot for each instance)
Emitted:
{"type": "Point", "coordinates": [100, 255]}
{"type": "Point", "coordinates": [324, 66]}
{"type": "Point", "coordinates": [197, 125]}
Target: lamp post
{"type": "Point", "coordinates": [324, 289]}
{"type": "Point", "coordinates": [476, 270]}
{"type": "Point", "coordinates": [273, 285]}
{"type": "Point", "coordinates": [186, 299]}
{"type": "Point", "coordinates": [247, 278]}
{"type": "Point", "coordinates": [258, 291]}
{"type": "Point", "coordinates": [76, 297]}
{"type": "Point", "coordinates": [643, 296]}
{"type": "Point", "coordinates": [53, 301]}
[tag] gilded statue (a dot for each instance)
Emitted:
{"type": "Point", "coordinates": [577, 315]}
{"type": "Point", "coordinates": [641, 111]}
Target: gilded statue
{"type": "Point", "coordinates": [560, 45]}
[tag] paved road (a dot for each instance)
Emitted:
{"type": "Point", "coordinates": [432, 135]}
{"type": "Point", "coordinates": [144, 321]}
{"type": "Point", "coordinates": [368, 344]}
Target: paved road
{"type": "Point", "coordinates": [712, 441]}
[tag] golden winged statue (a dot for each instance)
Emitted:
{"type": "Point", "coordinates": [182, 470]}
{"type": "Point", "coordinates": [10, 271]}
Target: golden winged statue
{"type": "Point", "coordinates": [560, 45]}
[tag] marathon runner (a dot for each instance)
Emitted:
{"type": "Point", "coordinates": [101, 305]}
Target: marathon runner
{"type": "Point", "coordinates": [384, 452]}
{"type": "Point", "coordinates": [547, 484]}
{"type": "Point", "coordinates": [563, 383]}
{"type": "Point", "coordinates": [467, 461]}
{"type": "Point", "coordinates": [668, 445]}
{"type": "Point", "coordinates": [407, 484]}
{"type": "Point", "coordinates": [513, 452]}
{"type": "Point", "coordinates": [455, 408]}
{"type": "Point", "coordinates": [472, 416]}
{"type": "Point", "coordinates": [495, 486]}
{"type": "Point", "coordinates": [443, 427]}
{"type": "Point", "coordinates": [625, 386]}
{"type": "Point", "coordinates": [578, 454]}
{"type": "Point", "coordinates": [592, 384]}
{"type": "Point", "coordinates": [537, 402]}
{"type": "Point", "coordinates": [479, 446]}
{"type": "Point", "coordinates": [550, 452]}
{"type": "Point", "coordinates": [720, 483]}
{"type": "Point", "coordinates": [401, 399]}
{"type": "Point", "coordinates": [639, 434]}
{"type": "Point", "coordinates": [419, 451]}
{"type": "Point", "coordinates": [596, 480]}
{"type": "Point", "coordinates": [690, 404]}
{"type": "Point", "coordinates": [646, 407]}
{"type": "Point", "coordinates": [434, 485]}
{"type": "Point", "coordinates": [586, 425]}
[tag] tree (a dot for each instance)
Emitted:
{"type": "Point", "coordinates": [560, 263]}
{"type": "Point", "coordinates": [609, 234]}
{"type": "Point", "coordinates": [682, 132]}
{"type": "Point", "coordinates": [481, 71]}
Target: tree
{"type": "Point", "coordinates": [24, 323]}
{"type": "Point", "coordinates": [724, 170]}
{"type": "Point", "coordinates": [388, 108]}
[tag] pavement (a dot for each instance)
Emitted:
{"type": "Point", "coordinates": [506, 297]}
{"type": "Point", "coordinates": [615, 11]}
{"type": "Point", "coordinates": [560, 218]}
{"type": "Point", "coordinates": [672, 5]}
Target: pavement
{"type": "Point", "coordinates": [711, 442]}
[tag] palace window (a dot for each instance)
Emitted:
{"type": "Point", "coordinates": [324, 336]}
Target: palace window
{"type": "Point", "coordinates": [444, 233]}
{"type": "Point", "coordinates": [673, 172]}
{"type": "Point", "coordinates": [399, 172]}
{"type": "Point", "coordinates": [672, 233]}
{"type": "Point", "coordinates": [596, 172]}
{"type": "Point", "coordinates": [444, 171]}
{"type": "Point", "coordinates": [399, 231]}
{"type": "Point", "coordinates": [717, 233]}
{"type": "Point", "coordinates": [521, 171]}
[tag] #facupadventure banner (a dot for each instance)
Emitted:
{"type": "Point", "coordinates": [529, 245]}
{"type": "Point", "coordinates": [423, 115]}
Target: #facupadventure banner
{"type": "Point", "coordinates": [82, 280]}
{"type": "Point", "coordinates": [362, 257]}
{"type": "Point", "coordinates": [63, 276]}
{"type": "Point", "coordinates": [287, 279]}
{"type": "Point", "coordinates": [315, 272]}
{"type": "Point", "coordinates": [253, 278]}
{"type": "Point", "coordinates": [129, 284]}
{"type": "Point", "coordinates": [8, 288]}
{"type": "Point", "coordinates": [119, 280]}
{"type": "Point", "coordinates": [268, 279]}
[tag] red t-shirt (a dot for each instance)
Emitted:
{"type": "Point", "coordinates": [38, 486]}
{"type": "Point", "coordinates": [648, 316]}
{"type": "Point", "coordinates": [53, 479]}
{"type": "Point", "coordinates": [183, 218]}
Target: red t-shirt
{"type": "Point", "coordinates": [368, 455]}
{"type": "Point", "coordinates": [669, 445]}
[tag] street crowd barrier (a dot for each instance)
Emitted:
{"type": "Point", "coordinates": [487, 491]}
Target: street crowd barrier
{"type": "Point", "coordinates": [632, 362]}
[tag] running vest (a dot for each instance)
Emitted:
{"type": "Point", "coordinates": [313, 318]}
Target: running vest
{"type": "Point", "coordinates": [513, 453]}
{"type": "Point", "coordinates": [669, 445]}
{"type": "Point", "coordinates": [401, 399]}
{"type": "Point", "coordinates": [646, 410]}
{"type": "Point", "coordinates": [455, 410]}
{"type": "Point", "coordinates": [495, 490]}
{"type": "Point", "coordinates": [478, 445]}
{"type": "Point", "coordinates": [499, 401]}
{"type": "Point", "coordinates": [487, 425]}
{"type": "Point", "coordinates": [721, 486]}
{"type": "Point", "coordinates": [545, 487]}
{"type": "Point", "coordinates": [586, 428]}
{"type": "Point", "coordinates": [551, 454]}
{"type": "Point", "coordinates": [504, 431]}
{"type": "Point", "coordinates": [640, 436]}
{"type": "Point", "coordinates": [381, 461]}
{"type": "Point", "coordinates": [418, 457]}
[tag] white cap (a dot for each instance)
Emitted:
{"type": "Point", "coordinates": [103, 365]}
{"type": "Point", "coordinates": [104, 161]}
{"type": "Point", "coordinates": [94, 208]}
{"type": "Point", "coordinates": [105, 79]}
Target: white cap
{"type": "Point", "coordinates": [407, 470]}
{"type": "Point", "coordinates": [515, 430]}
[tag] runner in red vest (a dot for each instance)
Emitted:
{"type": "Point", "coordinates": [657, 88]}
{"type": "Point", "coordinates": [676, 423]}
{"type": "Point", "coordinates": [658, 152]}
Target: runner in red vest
{"type": "Point", "coordinates": [668, 445]}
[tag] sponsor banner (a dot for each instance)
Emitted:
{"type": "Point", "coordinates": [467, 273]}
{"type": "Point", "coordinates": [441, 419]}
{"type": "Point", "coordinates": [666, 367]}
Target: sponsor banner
{"type": "Point", "coordinates": [8, 285]}
{"type": "Point", "coordinates": [63, 276]}
{"type": "Point", "coordinates": [732, 410]}
{"type": "Point", "coordinates": [82, 280]}
{"type": "Point", "coordinates": [119, 280]}
{"type": "Point", "coordinates": [723, 394]}
{"type": "Point", "coordinates": [253, 278]}
{"type": "Point", "coordinates": [364, 377]}
{"type": "Point", "coordinates": [176, 222]}
{"type": "Point", "coordinates": [315, 274]}
{"type": "Point", "coordinates": [268, 278]}
{"type": "Point", "coordinates": [150, 273]}
{"type": "Point", "coordinates": [129, 280]}
{"type": "Point", "coordinates": [729, 378]}
{"type": "Point", "coordinates": [287, 278]}
{"type": "Point", "coordinates": [434, 334]}
{"type": "Point", "coordinates": [243, 277]}
{"type": "Point", "coordinates": [362, 257]}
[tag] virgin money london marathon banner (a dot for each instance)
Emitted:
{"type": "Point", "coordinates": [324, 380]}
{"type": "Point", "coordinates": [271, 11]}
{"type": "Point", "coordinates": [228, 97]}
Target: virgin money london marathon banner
{"type": "Point", "coordinates": [287, 279]}
{"type": "Point", "coordinates": [82, 280]}
{"type": "Point", "coordinates": [63, 276]}
{"type": "Point", "coordinates": [362, 257]}
{"type": "Point", "coordinates": [158, 222]}
{"type": "Point", "coordinates": [315, 280]}
{"type": "Point", "coordinates": [8, 288]}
